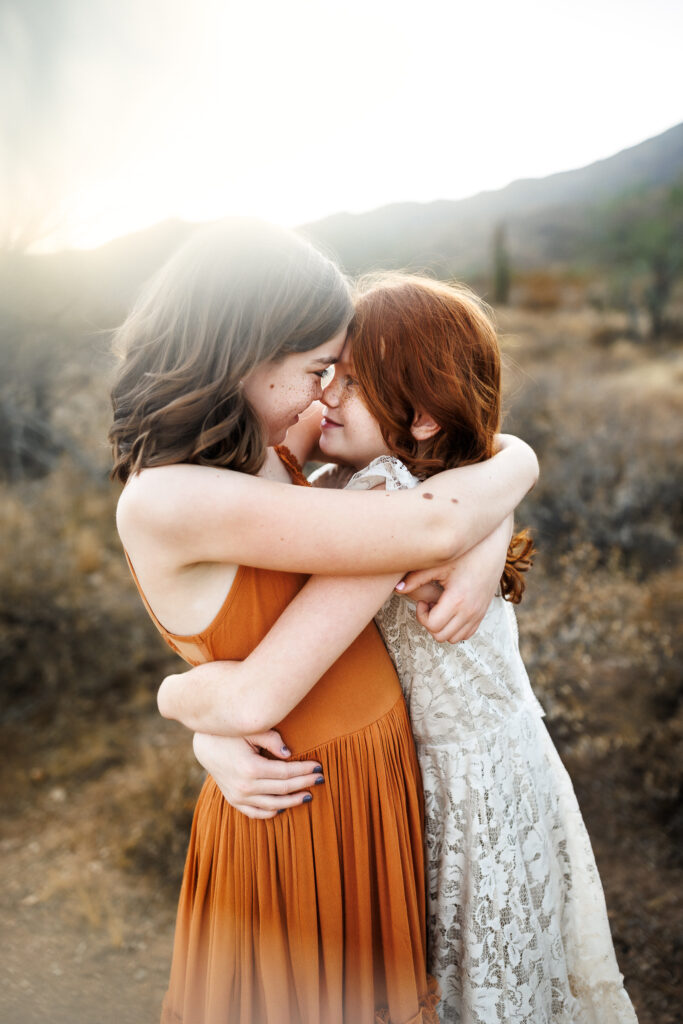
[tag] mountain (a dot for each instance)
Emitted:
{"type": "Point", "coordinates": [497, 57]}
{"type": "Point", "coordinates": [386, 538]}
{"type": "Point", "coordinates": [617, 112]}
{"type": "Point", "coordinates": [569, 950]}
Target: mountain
{"type": "Point", "coordinates": [547, 220]}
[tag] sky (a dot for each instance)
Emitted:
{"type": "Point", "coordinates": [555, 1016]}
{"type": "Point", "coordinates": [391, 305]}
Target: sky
{"type": "Point", "coordinates": [117, 114]}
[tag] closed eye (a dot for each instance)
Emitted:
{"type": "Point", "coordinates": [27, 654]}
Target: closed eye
{"type": "Point", "coordinates": [326, 375]}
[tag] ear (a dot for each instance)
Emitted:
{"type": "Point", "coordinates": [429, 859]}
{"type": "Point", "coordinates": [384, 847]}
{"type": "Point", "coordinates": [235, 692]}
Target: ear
{"type": "Point", "coordinates": [423, 426]}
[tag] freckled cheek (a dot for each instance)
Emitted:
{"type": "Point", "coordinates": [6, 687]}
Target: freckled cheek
{"type": "Point", "coordinates": [290, 392]}
{"type": "Point", "coordinates": [353, 409]}
{"type": "Point", "coordinates": [293, 398]}
{"type": "Point", "coordinates": [313, 392]}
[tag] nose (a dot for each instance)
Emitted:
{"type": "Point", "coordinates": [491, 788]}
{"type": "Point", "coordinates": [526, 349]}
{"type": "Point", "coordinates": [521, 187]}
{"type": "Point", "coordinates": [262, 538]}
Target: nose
{"type": "Point", "coordinates": [331, 393]}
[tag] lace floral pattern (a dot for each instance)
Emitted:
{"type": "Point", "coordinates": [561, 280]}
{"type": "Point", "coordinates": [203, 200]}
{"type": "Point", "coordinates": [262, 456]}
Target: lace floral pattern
{"type": "Point", "coordinates": [518, 930]}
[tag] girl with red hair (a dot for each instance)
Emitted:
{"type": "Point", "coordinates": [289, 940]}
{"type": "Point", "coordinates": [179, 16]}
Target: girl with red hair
{"type": "Point", "coordinates": [518, 931]}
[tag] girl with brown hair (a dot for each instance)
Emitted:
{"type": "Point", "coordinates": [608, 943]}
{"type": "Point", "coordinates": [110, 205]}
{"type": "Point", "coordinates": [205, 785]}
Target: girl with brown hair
{"type": "Point", "coordinates": [314, 915]}
{"type": "Point", "coordinates": [517, 926]}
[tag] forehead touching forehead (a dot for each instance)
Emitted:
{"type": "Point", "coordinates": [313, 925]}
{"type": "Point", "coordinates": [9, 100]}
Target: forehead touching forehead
{"type": "Point", "coordinates": [330, 352]}
{"type": "Point", "coordinates": [345, 360]}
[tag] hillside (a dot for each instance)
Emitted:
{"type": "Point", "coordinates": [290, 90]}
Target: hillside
{"type": "Point", "coordinates": [548, 220]}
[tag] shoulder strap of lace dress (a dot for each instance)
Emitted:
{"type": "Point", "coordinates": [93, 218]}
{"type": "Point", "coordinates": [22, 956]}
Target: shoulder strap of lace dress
{"type": "Point", "coordinates": [386, 470]}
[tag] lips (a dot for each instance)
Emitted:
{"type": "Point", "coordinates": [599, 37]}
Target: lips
{"type": "Point", "coordinates": [327, 422]}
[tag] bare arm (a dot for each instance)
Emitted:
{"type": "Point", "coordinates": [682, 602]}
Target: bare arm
{"type": "Point", "coordinates": [234, 698]}
{"type": "Point", "coordinates": [196, 514]}
{"type": "Point", "coordinates": [263, 786]}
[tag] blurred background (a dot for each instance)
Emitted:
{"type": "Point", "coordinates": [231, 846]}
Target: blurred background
{"type": "Point", "coordinates": [533, 150]}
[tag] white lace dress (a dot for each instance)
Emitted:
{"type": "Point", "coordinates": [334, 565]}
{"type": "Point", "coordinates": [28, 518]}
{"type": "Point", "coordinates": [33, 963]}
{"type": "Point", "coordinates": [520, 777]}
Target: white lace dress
{"type": "Point", "coordinates": [518, 930]}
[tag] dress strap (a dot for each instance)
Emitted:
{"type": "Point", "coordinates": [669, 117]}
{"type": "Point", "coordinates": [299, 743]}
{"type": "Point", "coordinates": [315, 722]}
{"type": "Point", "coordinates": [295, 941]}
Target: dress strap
{"type": "Point", "coordinates": [387, 470]}
{"type": "Point", "coordinates": [293, 466]}
{"type": "Point", "coordinates": [162, 629]}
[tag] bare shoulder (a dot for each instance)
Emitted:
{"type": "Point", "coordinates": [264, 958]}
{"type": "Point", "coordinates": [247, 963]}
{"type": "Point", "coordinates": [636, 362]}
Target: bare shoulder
{"type": "Point", "coordinates": [180, 502]}
{"type": "Point", "coordinates": [163, 497]}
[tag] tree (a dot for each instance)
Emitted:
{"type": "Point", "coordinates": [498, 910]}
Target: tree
{"type": "Point", "coordinates": [642, 244]}
{"type": "Point", "coordinates": [501, 267]}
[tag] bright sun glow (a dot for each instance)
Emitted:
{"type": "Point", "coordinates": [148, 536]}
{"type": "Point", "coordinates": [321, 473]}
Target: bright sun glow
{"type": "Point", "coordinates": [296, 111]}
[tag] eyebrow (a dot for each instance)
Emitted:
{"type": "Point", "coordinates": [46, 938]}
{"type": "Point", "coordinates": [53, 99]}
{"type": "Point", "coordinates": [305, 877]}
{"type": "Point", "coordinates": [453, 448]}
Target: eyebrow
{"type": "Point", "coordinates": [327, 360]}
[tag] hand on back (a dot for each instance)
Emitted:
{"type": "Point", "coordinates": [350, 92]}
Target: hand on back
{"type": "Point", "coordinates": [254, 784]}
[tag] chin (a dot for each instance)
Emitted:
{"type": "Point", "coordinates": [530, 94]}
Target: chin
{"type": "Point", "coordinates": [329, 449]}
{"type": "Point", "coordinates": [278, 438]}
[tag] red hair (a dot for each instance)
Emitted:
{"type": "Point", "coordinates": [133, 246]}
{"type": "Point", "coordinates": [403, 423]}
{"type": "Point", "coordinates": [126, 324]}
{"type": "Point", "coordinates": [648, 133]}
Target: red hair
{"type": "Point", "coordinates": [421, 345]}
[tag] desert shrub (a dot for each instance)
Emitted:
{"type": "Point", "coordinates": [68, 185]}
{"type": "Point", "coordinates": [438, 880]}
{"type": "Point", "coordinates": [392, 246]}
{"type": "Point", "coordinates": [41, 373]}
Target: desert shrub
{"type": "Point", "coordinates": [603, 653]}
{"type": "Point", "coordinates": [73, 634]}
{"type": "Point", "coordinates": [45, 364]}
{"type": "Point", "coordinates": [538, 290]}
{"type": "Point", "coordinates": [598, 622]}
{"type": "Point", "coordinates": [607, 335]}
{"type": "Point", "coordinates": [163, 785]}
{"type": "Point", "coordinates": [603, 425]}
{"type": "Point", "coordinates": [583, 621]}
{"type": "Point", "coordinates": [641, 235]}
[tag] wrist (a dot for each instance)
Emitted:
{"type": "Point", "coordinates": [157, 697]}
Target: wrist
{"type": "Point", "coordinates": [202, 744]}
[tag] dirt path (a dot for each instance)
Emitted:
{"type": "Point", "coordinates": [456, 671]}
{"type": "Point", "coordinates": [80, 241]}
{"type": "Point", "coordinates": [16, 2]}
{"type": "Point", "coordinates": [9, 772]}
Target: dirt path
{"type": "Point", "coordinates": [86, 940]}
{"type": "Point", "coordinates": [61, 965]}
{"type": "Point", "coordinates": [643, 886]}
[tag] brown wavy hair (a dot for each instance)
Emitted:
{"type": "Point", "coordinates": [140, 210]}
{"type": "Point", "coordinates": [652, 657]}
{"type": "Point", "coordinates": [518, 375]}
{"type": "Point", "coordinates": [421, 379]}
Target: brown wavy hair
{"type": "Point", "coordinates": [238, 295]}
{"type": "Point", "coordinates": [421, 345]}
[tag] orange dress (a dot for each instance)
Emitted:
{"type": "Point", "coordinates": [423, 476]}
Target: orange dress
{"type": "Point", "coordinates": [316, 916]}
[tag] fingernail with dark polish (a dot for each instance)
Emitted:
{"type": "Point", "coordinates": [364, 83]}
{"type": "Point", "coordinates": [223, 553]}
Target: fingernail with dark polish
{"type": "Point", "coordinates": [285, 750]}
{"type": "Point", "coordinates": [282, 810]}
{"type": "Point", "coordinates": [308, 798]}
{"type": "Point", "coordinates": [318, 770]}
{"type": "Point", "coordinates": [319, 780]}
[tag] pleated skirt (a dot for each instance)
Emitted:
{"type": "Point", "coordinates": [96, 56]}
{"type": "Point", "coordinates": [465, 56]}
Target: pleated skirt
{"type": "Point", "coordinates": [315, 916]}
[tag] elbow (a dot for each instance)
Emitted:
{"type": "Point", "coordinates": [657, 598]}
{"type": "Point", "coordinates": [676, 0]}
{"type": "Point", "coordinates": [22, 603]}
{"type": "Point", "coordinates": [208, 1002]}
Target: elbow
{"type": "Point", "coordinates": [536, 471]}
{"type": "Point", "coordinates": [252, 720]}
{"type": "Point", "coordinates": [533, 468]}
{"type": "Point", "coordinates": [165, 698]}
{"type": "Point", "coordinates": [446, 544]}
{"type": "Point", "coordinates": [201, 707]}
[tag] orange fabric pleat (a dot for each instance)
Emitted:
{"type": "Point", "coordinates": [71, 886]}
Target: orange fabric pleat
{"type": "Point", "coordinates": [317, 915]}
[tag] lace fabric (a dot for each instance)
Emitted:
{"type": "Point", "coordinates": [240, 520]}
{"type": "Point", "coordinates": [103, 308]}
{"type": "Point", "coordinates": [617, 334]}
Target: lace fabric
{"type": "Point", "coordinates": [518, 929]}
